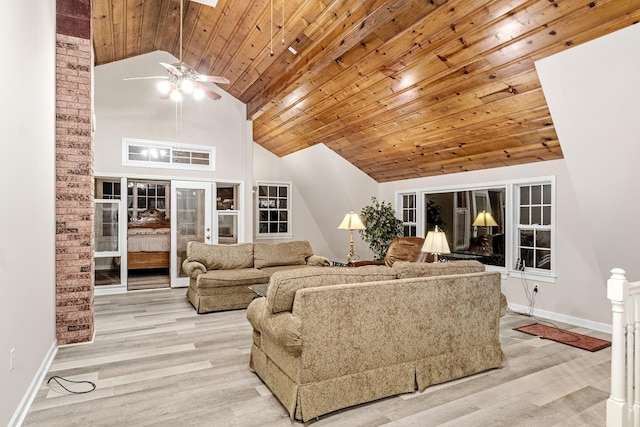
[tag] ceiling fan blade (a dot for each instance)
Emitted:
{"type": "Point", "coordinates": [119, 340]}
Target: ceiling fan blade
{"type": "Point", "coordinates": [172, 69]}
{"type": "Point", "coordinates": [211, 94]}
{"type": "Point", "coordinates": [213, 79]}
{"type": "Point", "coordinates": [145, 78]}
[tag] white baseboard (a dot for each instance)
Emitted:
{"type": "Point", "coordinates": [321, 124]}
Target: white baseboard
{"type": "Point", "coordinates": [30, 395]}
{"type": "Point", "coordinates": [584, 323]}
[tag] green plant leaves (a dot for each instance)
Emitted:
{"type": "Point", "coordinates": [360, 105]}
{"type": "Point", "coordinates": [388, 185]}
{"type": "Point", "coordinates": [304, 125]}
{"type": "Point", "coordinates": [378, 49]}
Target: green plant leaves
{"type": "Point", "coordinates": [382, 227]}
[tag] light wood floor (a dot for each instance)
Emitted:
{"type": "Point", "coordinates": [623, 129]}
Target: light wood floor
{"type": "Point", "coordinates": [156, 362]}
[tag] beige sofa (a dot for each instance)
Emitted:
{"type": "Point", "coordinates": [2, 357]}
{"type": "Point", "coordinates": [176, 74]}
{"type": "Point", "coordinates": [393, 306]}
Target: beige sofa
{"type": "Point", "coordinates": [220, 275]}
{"type": "Point", "coordinates": [326, 339]}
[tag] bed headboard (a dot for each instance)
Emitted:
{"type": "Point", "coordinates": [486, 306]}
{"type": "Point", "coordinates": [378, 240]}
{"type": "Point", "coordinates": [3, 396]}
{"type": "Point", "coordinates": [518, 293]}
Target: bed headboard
{"type": "Point", "coordinates": [151, 218]}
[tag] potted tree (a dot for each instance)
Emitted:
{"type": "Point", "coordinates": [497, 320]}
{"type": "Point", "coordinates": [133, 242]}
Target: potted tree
{"type": "Point", "coordinates": [382, 227]}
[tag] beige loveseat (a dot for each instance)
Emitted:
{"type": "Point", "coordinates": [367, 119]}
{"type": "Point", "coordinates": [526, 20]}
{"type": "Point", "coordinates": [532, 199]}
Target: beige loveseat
{"type": "Point", "coordinates": [326, 339]}
{"type": "Point", "coordinates": [220, 275]}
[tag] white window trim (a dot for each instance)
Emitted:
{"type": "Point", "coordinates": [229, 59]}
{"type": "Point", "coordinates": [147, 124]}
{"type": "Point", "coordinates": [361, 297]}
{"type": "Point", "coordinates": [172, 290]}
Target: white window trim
{"type": "Point", "coordinates": [400, 210]}
{"type": "Point", "coordinates": [289, 209]}
{"type": "Point", "coordinates": [127, 142]}
{"type": "Point", "coordinates": [511, 213]}
{"type": "Point", "coordinates": [541, 275]}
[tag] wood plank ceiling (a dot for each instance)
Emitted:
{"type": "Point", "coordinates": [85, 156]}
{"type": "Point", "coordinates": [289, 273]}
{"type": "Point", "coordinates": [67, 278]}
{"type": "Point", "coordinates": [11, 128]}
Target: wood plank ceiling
{"type": "Point", "coordinates": [399, 88]}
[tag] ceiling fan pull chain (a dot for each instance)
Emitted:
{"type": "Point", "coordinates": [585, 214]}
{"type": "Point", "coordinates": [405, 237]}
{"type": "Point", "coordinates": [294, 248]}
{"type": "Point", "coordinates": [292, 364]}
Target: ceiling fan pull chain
{"type": "Point", "coordinates": [271, 27]}
{"type": "Point", "coordinates": [282, 22]}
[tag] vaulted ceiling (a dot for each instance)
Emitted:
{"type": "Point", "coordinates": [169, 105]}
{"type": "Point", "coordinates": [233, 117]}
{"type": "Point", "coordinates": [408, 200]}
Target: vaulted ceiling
{"type": "Point", "coordinates": [399, 88]}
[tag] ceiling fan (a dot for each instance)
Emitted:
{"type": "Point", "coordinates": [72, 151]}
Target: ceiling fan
{"type": "Point", "coordinates": [183, 79]}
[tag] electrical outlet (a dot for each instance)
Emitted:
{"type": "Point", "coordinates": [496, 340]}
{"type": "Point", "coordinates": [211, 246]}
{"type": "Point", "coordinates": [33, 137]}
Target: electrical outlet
{"type": "Point", "coordinates": [12, 359]}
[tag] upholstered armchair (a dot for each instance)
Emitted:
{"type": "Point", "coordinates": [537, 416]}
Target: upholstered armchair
{"type": "Point", "coordinates": [401, 249]}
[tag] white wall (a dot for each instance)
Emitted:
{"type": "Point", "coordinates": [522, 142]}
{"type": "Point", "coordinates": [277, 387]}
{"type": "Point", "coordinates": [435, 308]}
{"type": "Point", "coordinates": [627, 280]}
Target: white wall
{"type": "Point", "coordinates": [325, 188]}
{"type": "Point", "coordinates": [579, 293]}
{"type": "Point", "coordinates": [27, 217]}
{"type": "Point", "coordinates": [593, 92]}
{"type": "Point", "coordinates": [134, 109]}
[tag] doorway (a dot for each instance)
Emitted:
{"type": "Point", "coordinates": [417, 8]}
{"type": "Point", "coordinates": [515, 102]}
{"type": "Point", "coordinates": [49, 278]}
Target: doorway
{"type": "Point", "coordinates": [148, 234]}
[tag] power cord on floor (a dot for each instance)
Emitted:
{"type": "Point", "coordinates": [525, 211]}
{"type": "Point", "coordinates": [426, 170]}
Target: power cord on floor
{"type": "Point", "coordinates": [57, 380]}
{"type": "Point", "coordinates": [531, 299]}
{"type": "Point", "coordinates": [530, 295]}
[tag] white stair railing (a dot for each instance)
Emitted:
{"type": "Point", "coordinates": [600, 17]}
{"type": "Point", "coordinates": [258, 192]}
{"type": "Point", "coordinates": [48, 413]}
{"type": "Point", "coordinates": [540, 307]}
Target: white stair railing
{"type": "Point", "coordinates": [623, 405]}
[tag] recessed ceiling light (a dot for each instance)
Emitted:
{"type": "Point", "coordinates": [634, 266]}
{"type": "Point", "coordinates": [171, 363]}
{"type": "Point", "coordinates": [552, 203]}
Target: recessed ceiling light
{"type": "Point", "coordinates": [211, 3]}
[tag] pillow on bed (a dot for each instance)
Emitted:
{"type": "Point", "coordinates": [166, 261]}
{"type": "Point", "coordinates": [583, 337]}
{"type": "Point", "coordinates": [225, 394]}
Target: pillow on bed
{"type": "Point", "coordinates": [221, 257]}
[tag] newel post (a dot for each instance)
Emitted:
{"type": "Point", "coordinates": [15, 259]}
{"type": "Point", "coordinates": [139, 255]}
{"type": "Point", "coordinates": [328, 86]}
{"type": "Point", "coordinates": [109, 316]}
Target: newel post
{"type": "Point", "coordinates": [617, 291]}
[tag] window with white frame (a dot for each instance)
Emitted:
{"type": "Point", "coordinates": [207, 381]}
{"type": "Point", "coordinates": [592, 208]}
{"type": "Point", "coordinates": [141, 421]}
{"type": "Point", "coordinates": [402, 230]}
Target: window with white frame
{"type": "Point", "coordinates": [409, 212]}
{"type": "Point", "coordinates": [520, 232]}
{"type": "Point", "coordinates": [534, 226]}
{"type": "Point", "coordinates": [156, 154]}
{"type": "Point", "coordinates": [274, 209]}
{"type": "Point", "coordinates": [143, 195]}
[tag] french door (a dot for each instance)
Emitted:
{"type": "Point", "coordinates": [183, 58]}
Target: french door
{"type": "Point", "coordinates": [191, 220]}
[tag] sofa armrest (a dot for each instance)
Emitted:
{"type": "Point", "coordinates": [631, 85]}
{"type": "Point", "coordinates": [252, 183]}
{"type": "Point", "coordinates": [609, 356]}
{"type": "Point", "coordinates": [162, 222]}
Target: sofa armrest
{"type": "Point", "coordinates": [256, 312]}
{"type": "Point", "coordinates": [193, 268]}
{"type": "Point", "coordinates": [283, 328]}
{"type": "Point", "coordinates": [318, 260]}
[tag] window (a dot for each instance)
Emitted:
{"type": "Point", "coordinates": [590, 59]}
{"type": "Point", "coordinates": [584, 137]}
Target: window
{"type": "Point", "coordinates": [409, 212]}
{"type": "Point", "coordinates": [454, 212]}
{"type": "Point", "coordinates": [143, 195]}
{"type": "Point", "coordinates": [227, 212]}
{"type": "Point", "coordinates": [156, 154]}
{"type": "Point", "coordinates": [274, 209]}
{"type": "Point", "coordinates": [108, 189]}
{"type": "Point", "coordinates": [535, 221]}
{"type": "Point", "coordinates": [517, 225]}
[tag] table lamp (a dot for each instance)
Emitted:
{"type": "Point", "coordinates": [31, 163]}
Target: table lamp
{"type": "Point", "coordinates": [436, 243]}
{"type": "Point", "coordinates": [351, 222]}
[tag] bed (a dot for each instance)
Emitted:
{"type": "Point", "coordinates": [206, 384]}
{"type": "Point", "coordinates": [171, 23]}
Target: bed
{"type": "Point", "coordinates": [148, 241]}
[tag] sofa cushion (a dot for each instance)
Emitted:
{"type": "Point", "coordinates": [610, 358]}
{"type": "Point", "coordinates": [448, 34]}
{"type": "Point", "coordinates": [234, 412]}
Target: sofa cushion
{"type": "Point", "coordinates": [221, 257]}
{"type": "Point", "coordinates": [235, 277]}
{"type": "Point", "coordinates": [406, 270]}
{"type": "Point", "coordinates": [287, 253]}
{"type": "Point", "coordinates": [283, 285]}
{"type": "Point", "coordinates": [273, 269]}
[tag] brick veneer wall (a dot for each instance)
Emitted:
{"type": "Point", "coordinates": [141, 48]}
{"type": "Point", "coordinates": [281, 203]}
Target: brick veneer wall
{"type": "Point", "coordinates": [74, 174]}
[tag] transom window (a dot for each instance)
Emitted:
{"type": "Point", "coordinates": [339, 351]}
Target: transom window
{"type": "Point", "coordinates": [156, 154]}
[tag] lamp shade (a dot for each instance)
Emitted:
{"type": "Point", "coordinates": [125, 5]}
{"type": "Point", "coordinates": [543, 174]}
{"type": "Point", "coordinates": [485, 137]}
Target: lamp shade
{"type": "Point", "coordinates": [436, 242]}
{"type": "Point", "coordinates": [351, 221]}
{"type": "Point", "coordinates": [484, 219]}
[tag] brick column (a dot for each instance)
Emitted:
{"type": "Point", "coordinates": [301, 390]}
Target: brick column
{"type": "Point", "coordinates": [74, 173]}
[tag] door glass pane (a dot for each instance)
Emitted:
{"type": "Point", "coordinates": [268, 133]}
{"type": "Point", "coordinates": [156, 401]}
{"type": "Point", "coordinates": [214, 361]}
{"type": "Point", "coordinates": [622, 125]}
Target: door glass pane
{"type": "Point", "coordinates": [227, 228]}
{"type": "Point", "coordinates": [106, 227]}
{"type": "Point", "coordinates": [190, 220]}
{"type": "Point", "coordinates": [107, 271]}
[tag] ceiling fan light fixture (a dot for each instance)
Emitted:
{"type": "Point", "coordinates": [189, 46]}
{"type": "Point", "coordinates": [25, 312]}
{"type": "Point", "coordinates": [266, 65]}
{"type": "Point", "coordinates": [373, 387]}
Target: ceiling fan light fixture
{"type": "Point", "coordinates": [187, 85]}
{"type": "Point", "coordinates": [176, 95]}
{"type": "Point", "coordinates": [164, 86]}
